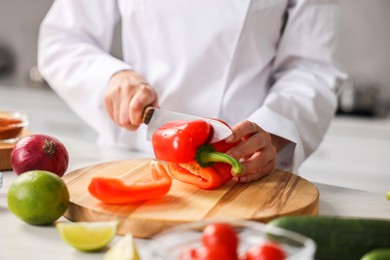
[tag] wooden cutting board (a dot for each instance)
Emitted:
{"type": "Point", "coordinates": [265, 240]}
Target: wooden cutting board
{"type": "Point", "coordinates": [278, 194]}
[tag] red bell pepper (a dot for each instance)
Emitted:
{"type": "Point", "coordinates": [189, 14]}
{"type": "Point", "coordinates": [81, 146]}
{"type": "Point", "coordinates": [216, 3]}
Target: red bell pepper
{"type": "Point", "coordinates": [115, 191]}
{"type": "Point", "coordinates": [204, 178]}
{"type": "Point", "coordinates": [209, 177]}
{"type": "Point", "coordinates": [177, 141]}
{"type": "Point", "coordinates": [184, 141]}
{"type": "Point", "coordinates": [183, 144]}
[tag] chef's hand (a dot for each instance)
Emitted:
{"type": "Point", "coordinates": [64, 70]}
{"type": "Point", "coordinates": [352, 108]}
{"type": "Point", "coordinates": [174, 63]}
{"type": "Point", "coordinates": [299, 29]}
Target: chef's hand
{"type": "Point", "coordinates": [256, 152]}
{"type": "Point", "coordinates": [126, 96]}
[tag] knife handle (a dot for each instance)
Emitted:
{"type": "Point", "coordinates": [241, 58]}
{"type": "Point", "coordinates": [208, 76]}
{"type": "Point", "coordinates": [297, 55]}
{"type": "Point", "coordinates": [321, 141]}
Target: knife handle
{"type": "Point", "coordinates": [147, 114]}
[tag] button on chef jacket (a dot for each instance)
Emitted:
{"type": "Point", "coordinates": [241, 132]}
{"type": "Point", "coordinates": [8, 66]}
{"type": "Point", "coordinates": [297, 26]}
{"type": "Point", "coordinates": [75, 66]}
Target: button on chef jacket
{"type": "Point", "coordinates": [230, 59]}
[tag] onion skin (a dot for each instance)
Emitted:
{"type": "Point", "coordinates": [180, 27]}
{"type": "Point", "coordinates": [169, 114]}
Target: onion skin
{"type": "Point", "coordinates": [39, 152]}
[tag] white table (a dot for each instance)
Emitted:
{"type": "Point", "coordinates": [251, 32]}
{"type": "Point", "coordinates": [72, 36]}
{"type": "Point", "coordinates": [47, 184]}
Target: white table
{"type": "Point", "coordinates": [23, 241]}
{"type": "Point", "coordinates": [350, 169]}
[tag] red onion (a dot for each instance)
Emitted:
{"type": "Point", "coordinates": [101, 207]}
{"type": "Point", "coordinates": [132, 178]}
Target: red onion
{"type": "Point", "coordinates": [39, 152]}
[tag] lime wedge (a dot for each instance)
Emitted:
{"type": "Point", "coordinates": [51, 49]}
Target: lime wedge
{"type": "Point", "coordinates": [88, 236]}
{"type": "Point", "coordinates": [124, 249]}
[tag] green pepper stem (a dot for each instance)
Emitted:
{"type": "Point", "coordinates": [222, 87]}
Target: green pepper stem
{"type": "Point", "coordinates": [206, 156]}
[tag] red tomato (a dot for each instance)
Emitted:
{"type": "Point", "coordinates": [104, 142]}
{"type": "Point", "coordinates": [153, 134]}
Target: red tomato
{"type": "Point", "coordinates": [266, 251]}
{"type": "Point", "coordinates": [188, 254]}
{"type": "Point", "coordinates": [204, 253]}
{"type": "Point", "coordinates": [220, 235]}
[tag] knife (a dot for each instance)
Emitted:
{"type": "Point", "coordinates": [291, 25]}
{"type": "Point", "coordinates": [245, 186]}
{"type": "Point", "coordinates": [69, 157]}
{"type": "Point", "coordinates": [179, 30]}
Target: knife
{"type": "Point", "coordinates": [156, 117]}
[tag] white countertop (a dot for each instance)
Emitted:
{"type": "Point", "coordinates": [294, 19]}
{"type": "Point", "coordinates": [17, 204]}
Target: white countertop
{"type": "Point", "coordinates": [21, 241]}
{"type": "Point", "coordinates": [350, 169]}
{"type": "Point", "coordinates": [355, 153]}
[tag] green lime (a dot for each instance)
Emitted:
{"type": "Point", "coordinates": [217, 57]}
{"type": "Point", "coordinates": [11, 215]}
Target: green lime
{"type": "Point", "coordinates": [38, 197]}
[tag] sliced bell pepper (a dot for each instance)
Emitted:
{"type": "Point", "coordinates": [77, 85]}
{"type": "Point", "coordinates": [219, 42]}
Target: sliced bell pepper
{"type": "Point", "coordinates": [207, 155]}
{"type": "Point", "coordinates": [204, 178]}
{"type": "Point", "coordinates": [209, 177]}
{"type": "Point", "coordinates": [115, 191]}
{"type": "Point", "coordinates": [177, 141]}
{"type": "Point", "coordinates": [183, 144]}
{"type": "Point", "coordinates": [183, 141]}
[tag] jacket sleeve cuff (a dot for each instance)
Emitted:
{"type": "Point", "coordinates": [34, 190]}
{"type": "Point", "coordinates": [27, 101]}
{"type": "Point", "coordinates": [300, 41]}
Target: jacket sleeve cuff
{"type": "Point", "coordinates": [292, 155]}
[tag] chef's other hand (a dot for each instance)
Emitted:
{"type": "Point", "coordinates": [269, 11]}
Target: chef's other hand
{"type": "Point", "coordinates": [256, 152]}
{"type": "Point", "coordinates": [126, 96]}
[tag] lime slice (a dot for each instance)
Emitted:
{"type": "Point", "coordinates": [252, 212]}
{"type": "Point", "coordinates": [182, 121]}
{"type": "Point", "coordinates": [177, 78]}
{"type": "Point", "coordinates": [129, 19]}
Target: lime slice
{"type": "Point", "coordinates": [88, 236]}
{"type": "Point", "coordinates": [124, 249]}
{"type": "Point", "coordinates": [388, 195]}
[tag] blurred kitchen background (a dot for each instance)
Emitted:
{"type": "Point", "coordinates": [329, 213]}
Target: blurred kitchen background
{"type": "Point", "coordinates": [358, 140]}
{"type": "Point", "coordinates": [364, 50]}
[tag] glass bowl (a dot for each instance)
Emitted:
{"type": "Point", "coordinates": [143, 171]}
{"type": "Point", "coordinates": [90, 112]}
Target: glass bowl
{"type": "Point", "coordinates": [171, 242]}
{"type": "Point", "coordinates": [12, 124]}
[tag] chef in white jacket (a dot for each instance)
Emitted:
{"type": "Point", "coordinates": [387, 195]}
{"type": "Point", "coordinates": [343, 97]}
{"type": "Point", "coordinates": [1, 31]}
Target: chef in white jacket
{"type": "Point", "coordinates": [266, 67]}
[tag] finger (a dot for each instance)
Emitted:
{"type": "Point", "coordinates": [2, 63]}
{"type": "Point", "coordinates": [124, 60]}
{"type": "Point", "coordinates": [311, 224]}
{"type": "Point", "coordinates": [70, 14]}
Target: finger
{"type": "Point", "coordinates": [242, 130]}
{"type": "Point", "coordinates": [124, 117]}
{"type": "Point", "coordinates": [109, 106]}
{"type": "Point", "coordinates": [114, 100]}
{"type": "Point", "coordinates": [251, 145]}
{"type": "Point", "coordinates": [257, 161]}
{"type": "Point", "coordinates": [266, 170]}
{"type": "Point", "coordinates": [144, 96]}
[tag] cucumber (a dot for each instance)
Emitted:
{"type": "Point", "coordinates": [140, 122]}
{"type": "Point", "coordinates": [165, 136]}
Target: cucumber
{"type": "Point", "coordinates": [339, 237]}
{"type": "Point", "coordinates": [378, 254]}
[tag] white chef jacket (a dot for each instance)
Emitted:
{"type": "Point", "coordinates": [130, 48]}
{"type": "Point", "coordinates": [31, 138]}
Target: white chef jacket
{"type": "Point", "coordinates": [224, 59]}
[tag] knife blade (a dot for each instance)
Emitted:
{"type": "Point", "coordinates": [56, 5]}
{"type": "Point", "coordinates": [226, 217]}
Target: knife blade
{"type": "Point", "coordinates": [155, 117]}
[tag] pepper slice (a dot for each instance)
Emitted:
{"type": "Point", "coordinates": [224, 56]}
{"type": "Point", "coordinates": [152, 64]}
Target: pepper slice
{"type": "Point", "coordinates": [204, 178]}
{"type": "Point", "coordinates": [115, 191]}
{"type": "Point", "coordinates": [207, 178]}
